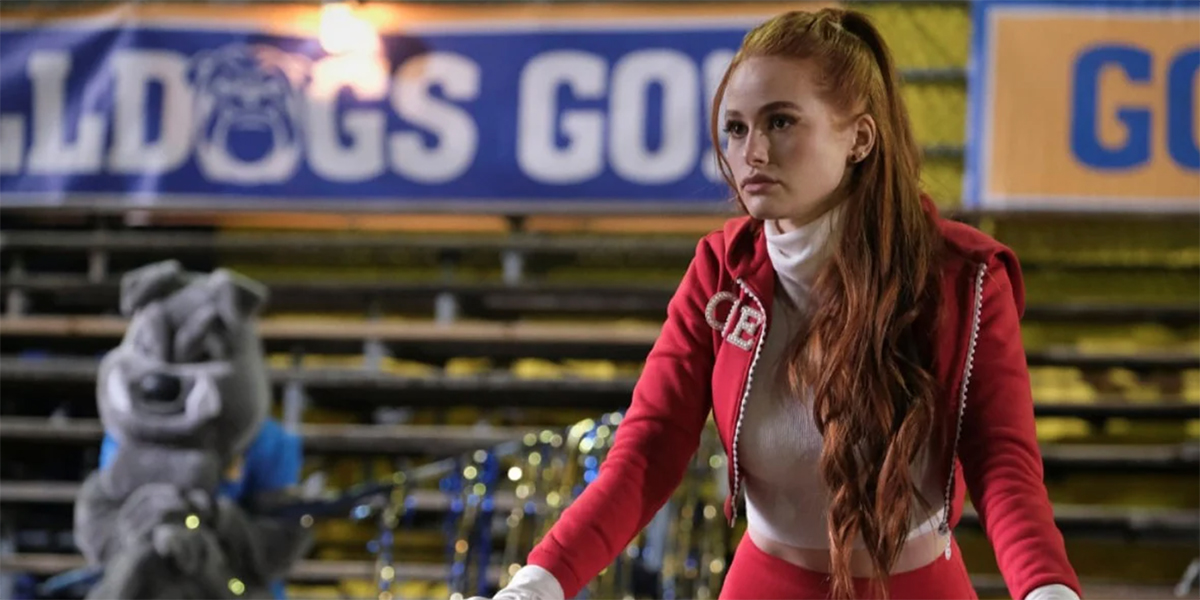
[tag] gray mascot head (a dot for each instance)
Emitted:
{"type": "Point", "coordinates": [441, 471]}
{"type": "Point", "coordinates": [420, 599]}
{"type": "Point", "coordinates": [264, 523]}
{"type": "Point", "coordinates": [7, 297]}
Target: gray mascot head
{"type": "Point", "coordinates": [189, 372]}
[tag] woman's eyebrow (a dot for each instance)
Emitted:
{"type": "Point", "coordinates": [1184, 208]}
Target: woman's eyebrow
{"type": "Point", "coordinates": [778, 104]}
{"type": "Point", "coordinates": [769, 107]}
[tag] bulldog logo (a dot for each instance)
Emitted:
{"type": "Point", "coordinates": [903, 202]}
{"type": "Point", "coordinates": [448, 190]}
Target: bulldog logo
{"type": "Point", "coordinates": [248, 108]}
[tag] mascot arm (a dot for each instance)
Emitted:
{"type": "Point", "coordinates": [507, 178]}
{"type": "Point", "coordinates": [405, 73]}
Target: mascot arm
{"type": "Point", "coordinates": [272, 545]}
{"type": "Point", "coordinates": [95, 518]}
{"type": "Point", "coordinates": [265, 547]}
{"type": "Point", "coordinates": [96, 512]}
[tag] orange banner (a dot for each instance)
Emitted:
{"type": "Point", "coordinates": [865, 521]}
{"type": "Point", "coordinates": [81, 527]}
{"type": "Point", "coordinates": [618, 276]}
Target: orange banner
{"type": "Point", "coordinates": [1086, 107]}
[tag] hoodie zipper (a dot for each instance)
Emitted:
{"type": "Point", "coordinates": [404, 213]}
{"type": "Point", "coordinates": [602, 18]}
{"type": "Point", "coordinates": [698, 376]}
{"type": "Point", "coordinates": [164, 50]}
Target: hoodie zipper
{"type": "Point", "coordinates": [944, 528]}
{"type": "Point", "coordinates": [737, 430]}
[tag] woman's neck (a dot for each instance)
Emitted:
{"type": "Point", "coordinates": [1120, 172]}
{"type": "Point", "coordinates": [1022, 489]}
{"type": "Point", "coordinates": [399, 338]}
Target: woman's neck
{"type": "Point", "coordinates": [821, 212]}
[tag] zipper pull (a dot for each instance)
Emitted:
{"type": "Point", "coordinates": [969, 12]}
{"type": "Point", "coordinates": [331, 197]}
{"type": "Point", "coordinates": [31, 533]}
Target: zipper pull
{"type": "Point", "coordinates": [944, 530]}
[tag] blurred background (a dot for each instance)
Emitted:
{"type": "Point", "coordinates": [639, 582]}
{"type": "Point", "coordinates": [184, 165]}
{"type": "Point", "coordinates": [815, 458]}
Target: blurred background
{"type": "Point", "coordinates": [471, 218]}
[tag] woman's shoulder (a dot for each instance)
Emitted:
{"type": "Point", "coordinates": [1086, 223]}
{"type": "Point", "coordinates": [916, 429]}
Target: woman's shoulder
{"type": "Point", "coordinates": [725, 253]}
{"type": "Point", "coordinates": [970, 254]}
{"type": "Point", "coordinates": [965, 247]}
{"type": "Point", "coordinates": [735, 239]}
{"type": "Point", "coordinates": [968, 243]}
{"type": "Point", "coordinates": [742, 227]}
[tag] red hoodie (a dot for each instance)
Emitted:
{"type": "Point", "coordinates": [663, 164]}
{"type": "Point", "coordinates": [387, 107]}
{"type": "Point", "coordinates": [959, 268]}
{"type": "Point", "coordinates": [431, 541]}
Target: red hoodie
{"type": "Point", "coordinates": [704, 363]}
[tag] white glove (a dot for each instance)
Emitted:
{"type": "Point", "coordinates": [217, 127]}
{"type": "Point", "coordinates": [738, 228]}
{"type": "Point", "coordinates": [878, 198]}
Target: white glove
{"type": "Point", "coordinates": [1053, 592]}
{"type": "Point", "coordinates": [530, 583]}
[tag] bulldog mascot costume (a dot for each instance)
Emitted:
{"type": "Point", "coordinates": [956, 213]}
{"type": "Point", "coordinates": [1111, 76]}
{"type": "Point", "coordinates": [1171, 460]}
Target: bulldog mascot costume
{"type": "Point", "coordinates": [190, 456]}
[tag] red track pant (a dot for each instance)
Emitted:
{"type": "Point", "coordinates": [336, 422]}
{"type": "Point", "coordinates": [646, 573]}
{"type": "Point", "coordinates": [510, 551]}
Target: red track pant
{"type": "Point", "coordinates": [756, 575]}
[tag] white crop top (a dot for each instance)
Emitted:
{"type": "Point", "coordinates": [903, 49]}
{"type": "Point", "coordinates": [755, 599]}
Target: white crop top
{"type": "Point", "coordinates": [780, 448]}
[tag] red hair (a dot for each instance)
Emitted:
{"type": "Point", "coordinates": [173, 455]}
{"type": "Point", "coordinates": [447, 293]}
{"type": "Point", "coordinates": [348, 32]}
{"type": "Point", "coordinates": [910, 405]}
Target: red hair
{"type": "Point", "coordinates": [864, 353]}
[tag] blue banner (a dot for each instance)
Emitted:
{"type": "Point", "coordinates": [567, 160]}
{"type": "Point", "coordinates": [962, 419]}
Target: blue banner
{"type": "Point", "coordinates": [198, 106]}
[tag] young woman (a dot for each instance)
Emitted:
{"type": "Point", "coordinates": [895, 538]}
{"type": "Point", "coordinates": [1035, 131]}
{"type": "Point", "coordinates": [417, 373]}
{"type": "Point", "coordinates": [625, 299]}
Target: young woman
{"type": "Point", "coordinates": [861, 357]}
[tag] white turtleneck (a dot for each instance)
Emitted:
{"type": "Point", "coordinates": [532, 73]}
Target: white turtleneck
{"type": "Point", "coordinates": [799, 254]}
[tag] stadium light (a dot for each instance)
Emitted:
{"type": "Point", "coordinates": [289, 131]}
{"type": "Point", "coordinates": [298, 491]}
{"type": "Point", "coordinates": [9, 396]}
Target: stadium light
{"type": "Point", "coordinates": [341, 31]}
